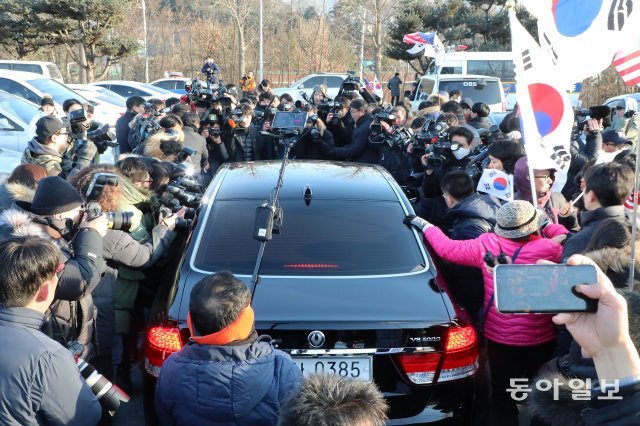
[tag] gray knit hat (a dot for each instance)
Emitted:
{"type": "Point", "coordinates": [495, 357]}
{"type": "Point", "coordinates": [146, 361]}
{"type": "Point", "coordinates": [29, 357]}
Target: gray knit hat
{"type": "Point", "coordinates": [518, 219]}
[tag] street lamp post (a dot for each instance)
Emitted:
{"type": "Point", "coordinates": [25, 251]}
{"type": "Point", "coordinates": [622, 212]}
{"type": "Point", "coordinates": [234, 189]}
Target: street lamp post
{"type": "Point", "coordinates": [144, 29]}
{"type": "Point", "coordinates": [260, 73]}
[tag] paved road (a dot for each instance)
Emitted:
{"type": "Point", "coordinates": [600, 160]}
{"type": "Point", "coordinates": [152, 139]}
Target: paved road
{"type": "Point", "coordinates": [132, 413]}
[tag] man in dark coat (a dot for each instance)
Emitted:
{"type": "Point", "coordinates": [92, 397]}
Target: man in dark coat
{"type": "Point", "coordinates": [473, 214]}
{"type": "Point", "coordinates": [480, 116]}
{"type": "Point", "coordinates": [39, 380]}
{"type": "Point", "coordinates": [360, 150]}
{"type": "Point", "coordinates": [135, 106]}
{"type": "Point", "coordinates": [55, 214]}
{"type": "Point", "coordinates": [607, 187]}
{"type": "Point", "coordinates": [240, 378]}
{"type": "Point", "coordinates": [341, 127]}
{"type": "Point", "coordinates": [394, 87]}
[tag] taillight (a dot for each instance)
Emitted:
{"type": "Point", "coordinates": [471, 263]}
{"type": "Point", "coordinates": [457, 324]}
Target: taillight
{"type": "Point", "coordinates": [420, 368]}
{"type": "Point", "coordinates": [460, 359]}
{"type": "Point", "coordinates": [461, 356]}
{"type": "Point", "coordinates": [161, 342]}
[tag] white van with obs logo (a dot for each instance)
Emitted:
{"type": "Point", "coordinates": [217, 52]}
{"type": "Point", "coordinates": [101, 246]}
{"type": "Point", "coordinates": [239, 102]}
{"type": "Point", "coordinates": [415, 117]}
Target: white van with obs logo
{"type": "Point", "coordinates": [480, 88]}
{"type": "Point", "coordinates": [48, 69]}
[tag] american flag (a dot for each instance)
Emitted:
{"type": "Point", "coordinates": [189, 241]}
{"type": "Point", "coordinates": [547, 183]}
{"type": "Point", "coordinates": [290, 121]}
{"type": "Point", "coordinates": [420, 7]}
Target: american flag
{"type": "Point", "coordinates": [415, 38]}
{"type": "Point", "coordinates": [627, 63]}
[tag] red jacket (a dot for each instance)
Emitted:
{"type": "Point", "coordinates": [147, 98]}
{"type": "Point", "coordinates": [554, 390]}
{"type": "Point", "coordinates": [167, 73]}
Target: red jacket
{"type": "Point", "coordinates": [508, 329]}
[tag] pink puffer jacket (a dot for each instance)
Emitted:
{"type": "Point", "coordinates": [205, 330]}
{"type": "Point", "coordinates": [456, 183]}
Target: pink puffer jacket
{"type": "Point", "coordinates": [508, 329]}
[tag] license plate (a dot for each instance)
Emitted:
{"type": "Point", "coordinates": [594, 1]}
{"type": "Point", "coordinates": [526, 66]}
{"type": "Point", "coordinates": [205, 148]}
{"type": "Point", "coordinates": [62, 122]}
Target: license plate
{"type": "Point", "coordinates": [344, 366]}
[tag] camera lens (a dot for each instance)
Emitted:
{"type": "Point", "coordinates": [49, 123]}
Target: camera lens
{"type": "Point", "coordinates": [119, 221]}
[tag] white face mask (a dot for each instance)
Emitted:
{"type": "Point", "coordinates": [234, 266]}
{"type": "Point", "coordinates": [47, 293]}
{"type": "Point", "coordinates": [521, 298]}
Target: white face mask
{"type": "Point", "coordinates": [460, 153]}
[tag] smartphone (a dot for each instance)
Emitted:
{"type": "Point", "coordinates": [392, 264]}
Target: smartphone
{"type": "Point", "coordinates": [547, 289]}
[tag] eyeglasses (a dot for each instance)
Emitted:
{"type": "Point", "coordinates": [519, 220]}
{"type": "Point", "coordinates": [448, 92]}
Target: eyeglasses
{"type": "Point", "coordinates": [60, 270]}
{"type": "Point", "coordinates": [544, 177]}
{"type": "Point", "coordinates": [62, 133]}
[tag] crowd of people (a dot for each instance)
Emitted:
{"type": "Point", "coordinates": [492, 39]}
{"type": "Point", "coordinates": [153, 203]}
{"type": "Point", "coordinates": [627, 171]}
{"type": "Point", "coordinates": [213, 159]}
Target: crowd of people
{"type": "Point", "coordinates": [82, 245]}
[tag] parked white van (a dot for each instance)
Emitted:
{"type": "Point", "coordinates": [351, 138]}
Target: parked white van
{"type": "Point", "coordinates": [480, 88]}
{"type": "Point", "coordinates": [48, 69]}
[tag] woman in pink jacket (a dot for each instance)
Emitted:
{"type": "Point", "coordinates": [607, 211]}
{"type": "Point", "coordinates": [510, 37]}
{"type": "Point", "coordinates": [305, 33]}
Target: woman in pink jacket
{"type": "Point", "coordinates": [517, 345]}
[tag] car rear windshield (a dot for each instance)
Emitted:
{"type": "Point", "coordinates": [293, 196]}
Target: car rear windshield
{"type": "Point", "coordinates": [486, 91]}
{"type": "Point", "coordinates": [327, 237]}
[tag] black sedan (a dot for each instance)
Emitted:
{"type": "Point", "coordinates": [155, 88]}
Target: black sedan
{"type": "Point", "coordinates": [345, 287]}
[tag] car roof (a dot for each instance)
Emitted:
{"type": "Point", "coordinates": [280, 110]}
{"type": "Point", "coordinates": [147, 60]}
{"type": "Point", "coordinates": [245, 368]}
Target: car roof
{"type": "Point", "coordinates": [125, 82]}
{"type": "Point", "coordinates": [327, 180]}
{"type": "Point", "coordinates": [458, 77]}
{"type": "Point", "coordinates": [170, 79]}
{"type": "Point", "coordinates": [21, 75]}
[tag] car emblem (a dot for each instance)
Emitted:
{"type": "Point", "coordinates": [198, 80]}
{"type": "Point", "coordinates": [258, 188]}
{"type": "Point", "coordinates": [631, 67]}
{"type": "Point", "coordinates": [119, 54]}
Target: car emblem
{"type": "Point", "coordinates": [316, 339]}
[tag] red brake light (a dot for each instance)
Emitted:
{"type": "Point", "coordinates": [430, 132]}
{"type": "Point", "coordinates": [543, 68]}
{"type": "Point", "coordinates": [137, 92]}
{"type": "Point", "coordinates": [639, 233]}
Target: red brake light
{"type": "Point", "coordinates": [311, 266]}
{"type": "Point", "coordinates": [461, 356]}
{"type": "Point", "coordinates": [161, 342]}
{"type": "Point", "coordinates": [460, 359]}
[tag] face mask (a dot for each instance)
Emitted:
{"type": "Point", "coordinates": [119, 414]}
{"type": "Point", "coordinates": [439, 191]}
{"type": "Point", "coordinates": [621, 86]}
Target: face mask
{"type": "Point", "coordinates": [460, 153]}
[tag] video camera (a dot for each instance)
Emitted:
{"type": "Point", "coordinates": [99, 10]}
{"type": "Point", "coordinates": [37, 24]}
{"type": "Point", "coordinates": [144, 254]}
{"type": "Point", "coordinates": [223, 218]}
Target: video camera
{"type": "Point", "coordinates": [103, 138]}
{"type": "Point", "coordinates": [349, 83]}
{"type": "Point", "coordinates": [441, 150]}
{"type": "Point", "coordinates": [117, 220]}
{"type": "Point", "coordinates": [205, 96]}
{"type": "Point", "coordinates": [582, 115]}
{"type": "Point", "coordinates": [478, 161]}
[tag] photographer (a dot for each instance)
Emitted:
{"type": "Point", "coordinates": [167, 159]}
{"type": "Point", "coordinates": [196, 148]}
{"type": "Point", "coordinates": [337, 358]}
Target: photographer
{"type": "Point", "coordinates": [480, 116]}
{"type": "Point", "coordinates": [56, 214]}
{"type": "Point", "coordinates": [316, 141]}
{"type": "Point", "coordinates": [360, 150]}
{"type": "Point", "coordinates": [39, 380]}
{"type": "Point", "coordinates": [340, 122]}
{"type": "Point", "coordinates": [247, 84]}
{"type": "Point", "coordinates": [210, 69]}
{"type": "Point", "coordinates": [222, 151]}
{"type": "Point", "coordinates": [239, 131]}
{"type": "Point", "coordinates": [136, 170]}
{"type": "Point", "coordinates": [135, 106]}
{"type": "Point", "coordinates": [83, 150]}
{"type": "Point", "coordinates": [583, 152]}
{"type": "Point", "coordinates": [388, 132]}
{"type": "Point", "coordinates": [433, 206]}
{"type": "Point", "coordinates": [195, 141]}
{"type": "Point", "coordinates": [127, 256]}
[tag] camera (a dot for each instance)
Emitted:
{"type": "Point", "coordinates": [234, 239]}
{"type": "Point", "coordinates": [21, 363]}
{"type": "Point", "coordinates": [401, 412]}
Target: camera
{"type": "Point", "coordinates": [349, 83]}
{"type": "Point", "coordinates": [116, 220]}
{"type": "Point", "coordinates": [478, 161]}
{"type": "Point", "coordinates": [181, 224]}
{"type": "Point", "coordinates": [185, 154]}
{"type": "Point", "coordinates": [206, 96]}
{"type": "Point", "coordinates": [384, 116]}
{"type": "Point", "coordinates": [109, 395]}
{"type": "Point", "coordinates": [103, 138]}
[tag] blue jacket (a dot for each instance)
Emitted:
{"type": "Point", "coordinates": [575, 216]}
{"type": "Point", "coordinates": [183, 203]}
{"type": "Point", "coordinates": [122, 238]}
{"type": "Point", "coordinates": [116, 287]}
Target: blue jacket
{"type": "Point", "coordinates": [360, 150]}
{"type": "Point", "coordinates": [39, 381]}
{"type": "Point", "coordinates": [238, 384]}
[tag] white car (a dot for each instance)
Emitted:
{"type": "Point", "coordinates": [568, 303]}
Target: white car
{"type": "Point", "coordinates": [173, 84]}
{"type": "Point", "coordinates": [107, 108]}
{"type": "Point", "coordinates": [33, 87]}
{"type": "Point", "coordinates": [126, 89]}
{"type": "Point", "coordinates": [17, 122]}
{"type": "Point", "coordinates": [306, 84]}
{"type": "Point", "coordinates": [9, 160]}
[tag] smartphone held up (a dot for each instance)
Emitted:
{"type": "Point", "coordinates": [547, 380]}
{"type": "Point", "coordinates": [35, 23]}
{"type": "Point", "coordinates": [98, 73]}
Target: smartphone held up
{"type": "Point", "coordinates": [545, 289]}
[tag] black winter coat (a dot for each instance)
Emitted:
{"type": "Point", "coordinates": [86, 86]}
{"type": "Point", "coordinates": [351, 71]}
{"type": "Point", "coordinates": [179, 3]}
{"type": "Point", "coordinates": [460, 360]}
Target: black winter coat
{"type": "Point", "coordinates": [471, 217]}
{"type": "Point", "coordinates": [590, 220]}
{"type": "Point", "coordinates": [360, 150]}
{"type": "Point", "coordinates": [480, 122]}
{"type": "Point", "coordinates": [342, 133]}
{"type": "Point", "coordinates": [309, 149]}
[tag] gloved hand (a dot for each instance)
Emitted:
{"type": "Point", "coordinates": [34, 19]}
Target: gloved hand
{"type": "Point", "coordinates": [417, 221]}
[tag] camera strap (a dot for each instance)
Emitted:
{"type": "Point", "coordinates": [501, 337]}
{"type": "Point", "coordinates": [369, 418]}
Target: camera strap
{"type": "Point", "coordinates": [485, 311]}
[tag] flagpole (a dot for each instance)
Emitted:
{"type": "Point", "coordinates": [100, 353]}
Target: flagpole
{"type": "Point", "coordinates": [524, 94]}
{"type": "Point", "coordinates": [634, 219]}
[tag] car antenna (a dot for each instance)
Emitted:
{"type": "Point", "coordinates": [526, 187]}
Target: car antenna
{"type": "Point", "coordinates": [269, 215]}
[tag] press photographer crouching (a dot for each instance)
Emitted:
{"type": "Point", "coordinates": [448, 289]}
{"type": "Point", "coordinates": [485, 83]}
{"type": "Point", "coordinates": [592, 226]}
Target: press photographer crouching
{"type": "Point", "coordinates": [56, 213]}
{"type": "Point", "coordinates": [38, 377]}
{"type": "Point", "coordinates": [449, 152]}
{"type": "Point", "coordinates": [127, 256]}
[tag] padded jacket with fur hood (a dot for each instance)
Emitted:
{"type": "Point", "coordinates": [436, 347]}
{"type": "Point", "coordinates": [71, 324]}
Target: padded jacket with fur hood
{"type": "Point", "coordinates": [72, 313]}
{"type": "Point", "coordinates": [514, 330]}
{"type": "Point", "coordinates": [12, 192]}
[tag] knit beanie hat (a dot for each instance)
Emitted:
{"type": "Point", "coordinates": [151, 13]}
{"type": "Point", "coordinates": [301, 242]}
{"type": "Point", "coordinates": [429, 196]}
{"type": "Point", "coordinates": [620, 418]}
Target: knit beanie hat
{"type": "Point", "coordinates": [54, 195]}
{"type": "Point", "coordinates": [46, 127]}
